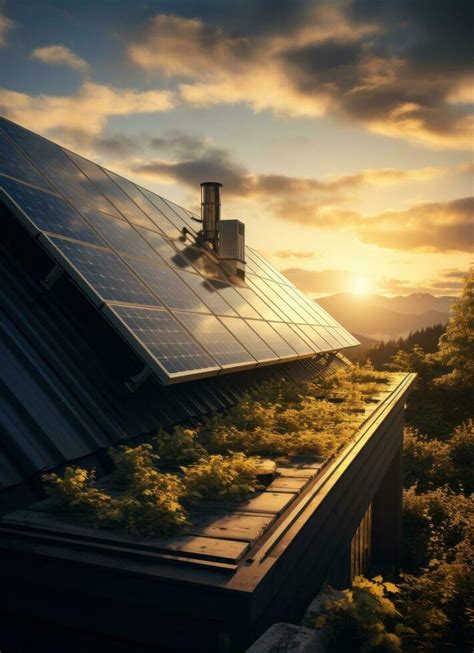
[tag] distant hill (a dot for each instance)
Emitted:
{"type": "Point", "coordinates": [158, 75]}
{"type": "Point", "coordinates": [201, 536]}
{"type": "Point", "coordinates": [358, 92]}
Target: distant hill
{"type": "Point", "coordinates": [387, 318]}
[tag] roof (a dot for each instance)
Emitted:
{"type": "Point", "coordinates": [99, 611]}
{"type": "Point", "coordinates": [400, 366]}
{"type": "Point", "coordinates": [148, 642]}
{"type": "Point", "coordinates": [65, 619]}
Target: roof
{"type": "Point", "coordinates": [75, 378]}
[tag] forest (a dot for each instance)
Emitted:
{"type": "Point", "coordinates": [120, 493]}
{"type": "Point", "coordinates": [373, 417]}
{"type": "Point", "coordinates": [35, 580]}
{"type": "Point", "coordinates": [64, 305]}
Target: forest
{"type": "Point", "coordinates": [429, 605]}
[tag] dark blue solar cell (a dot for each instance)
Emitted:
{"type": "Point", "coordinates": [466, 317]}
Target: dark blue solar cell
{"type": "Point", "coordinates": [295, 340]}
{"type": "Point", "coordinates": [173, 292]}
{"type": "Point", "coordinates": [58, 168]}
{"type": "Point", "coordinates": [13, 163]}
{"type": "Point", "coordinates": [202, 261]}
{"type": "Point", "coordinates": [166, 339]}
{"type": "Point", "coordinates": [106, 273]}
{"type": "Point", "coordinates": [120, 235]}
{"type": "Point", "coordinates": [166, 209]}
{"type": "Point", "coordinates": [216, 339]}
{"type": "Point", "coordinates": [49, 213]}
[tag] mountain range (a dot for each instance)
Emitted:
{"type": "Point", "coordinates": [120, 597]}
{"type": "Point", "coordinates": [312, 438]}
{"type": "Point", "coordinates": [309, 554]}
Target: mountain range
{"type": "Point", "coordinates": [385, 318]}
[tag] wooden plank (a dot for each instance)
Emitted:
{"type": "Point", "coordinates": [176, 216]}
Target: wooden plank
{"type": "Point", "coordinates": [194, 546]}
{"type": "Point", "coordinates": [288, 484]}
{"type": "Point", "coordinates": [299, 471]}
{"type": "Point", "coordinates": [234, 526]}
{"type": "Point", "coordinates": [270, 502]}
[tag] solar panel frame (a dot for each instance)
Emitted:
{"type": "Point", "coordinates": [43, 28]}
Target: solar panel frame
{"type": "Point", "coordinates": [53, 245]}
{"type": "Point", "coordinates": [250, 340]}
{"type": "Point", "coordinates": [83, 233]}
{"type": "Point", "coordinates": [111, 312]}
{"type": "Point", "coordinates": [273, 339]}
{"type": "Point", "coordinates": [11, 158]}
{"type": "Point", "coordinates": [213, 336]}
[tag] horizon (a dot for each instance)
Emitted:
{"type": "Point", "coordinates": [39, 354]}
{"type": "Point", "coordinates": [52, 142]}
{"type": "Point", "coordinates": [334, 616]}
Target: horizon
{"type": "Point", "coordinates": [349, 145]}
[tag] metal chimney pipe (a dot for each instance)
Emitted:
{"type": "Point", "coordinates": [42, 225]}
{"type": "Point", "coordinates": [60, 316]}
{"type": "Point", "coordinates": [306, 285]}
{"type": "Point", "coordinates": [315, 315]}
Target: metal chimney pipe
{"type": "Point", "coordinates": [211, 211]}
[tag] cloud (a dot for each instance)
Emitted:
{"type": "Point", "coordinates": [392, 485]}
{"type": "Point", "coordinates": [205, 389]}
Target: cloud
{"type": "Point", "coordinates": [387, 66]}
{"type": "Point", "coordinates": [289, 253]}
{"type": "Point", "coordinates": [431, 226]}
{"type": "Point", "coordinates": [6, 24]}
{"type": "Point", "coordinates": [59, 55]}
{"type": "Point", "coordinates": [82, 116]}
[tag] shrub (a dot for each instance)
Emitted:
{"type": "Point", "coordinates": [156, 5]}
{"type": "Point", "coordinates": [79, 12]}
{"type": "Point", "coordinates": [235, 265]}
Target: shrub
{"type": "Point", "coordinates": [361, 618]}
{"type": "Point", "coordinates": [426, 461]}
{"type": "Point", "coordinates": [178, 448]}
{"type": "Point", "coordinates": [132, 463]}
{"type": "Point", "coordinates": [76, 491]}
{"type": "Point", "coordinates": [221, 478]}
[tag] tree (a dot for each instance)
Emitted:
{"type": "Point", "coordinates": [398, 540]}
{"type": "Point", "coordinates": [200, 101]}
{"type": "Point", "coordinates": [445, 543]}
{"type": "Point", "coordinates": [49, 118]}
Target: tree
{"type": "Point", "coordinates": [456, 345]}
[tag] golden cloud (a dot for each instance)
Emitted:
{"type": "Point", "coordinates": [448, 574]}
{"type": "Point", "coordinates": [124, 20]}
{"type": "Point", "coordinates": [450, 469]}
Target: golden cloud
{"type": "Point", "coordinates": [85, 112]}
{"type": "Point", "coordinates": [61, 56]}
{"type": "Point", "coordinates": [319, 64]}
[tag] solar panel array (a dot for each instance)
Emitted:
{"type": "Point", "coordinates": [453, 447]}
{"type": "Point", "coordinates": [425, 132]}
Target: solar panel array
{"type": "Point", "coordinates": [171, 300]}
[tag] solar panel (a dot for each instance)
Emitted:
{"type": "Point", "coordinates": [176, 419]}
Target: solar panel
{"type": "Point", "coordinates": [292, 337]}
{"type": "Point", "coordinates": [41, 211]}
{"type": "Point", "coordinates": [14, 164]}
{"type": "Point", "coordinates": [120, 235]}
{"type": "Point", "coordinates": [249, 339]}
{"type": "Point", "coordinates": [112, 192]}
{"type": "Point", "coordinates": [273, 339]}
{"type": "Point", "coordinates": [62, 174]}
{"type": "Point", "coordinates": [208, 293]}
{"type": "Point", "coordinates": [105, 273]}
{"type": "Point", "coordinates": [161, 335]}
{"type": "Point", "coordinates": [217, 340]}
{"type": "Point", "coordinates": [136, 256]}
{"type": "Point", "coordinates": [164, 248]}
{"type": "Point", "coordinates": [168, 286]}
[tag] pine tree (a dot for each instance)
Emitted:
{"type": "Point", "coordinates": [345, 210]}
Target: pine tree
{"type": "Point", "coordinates": [456, 346]}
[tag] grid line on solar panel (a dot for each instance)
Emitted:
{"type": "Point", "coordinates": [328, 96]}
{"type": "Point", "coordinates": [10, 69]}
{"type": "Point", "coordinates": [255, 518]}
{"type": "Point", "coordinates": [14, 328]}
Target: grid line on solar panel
{"type": "Point", "coordinates": [208, 293]}
{"type": "Point", "coordinates": [105, 273]}
{"type": "Point", "coordinates": [160, 203]}
{"type": "Point", "coordinates": [165, 249]}
{"type": "Point", "coordinates": [271, 290]}
{"type": "Point", "coordinates": [267, 295]}
{"type": "Point", "coordinates": [326, 334]}
{"type": "Point", "coordinates": [235, 299]}
{"type": "Point", "coordinates": [14, 164]}
{"type": "Point", "coordinates": [200, 259]}
{"type": "Point", "coordinates": [165, 338]}
{"type": "Point", "coordinates": [275, 273]}
{"type": "Point", "coordinates": [182, 215]}
{"type": "Point", "coordinates": [59, 170]}
{"type": "Point", "coordinates": [299, 315]}
{"type": "Point", "coordinates": [313, 334]}
{"type": "Point", "coordinates": [48, 212]}
{"type": "Point", "coordinates": [249, 339]}
{"type": "Point", "coordinates": [261, 306]}
{"type": "Point", "coordinates": [116, 196]}
{"type": "Point", "coordinates": [167, 286]}
{"type": "Point", "coordinates": [120, 235]}
{"type": "Point", "coordinates": [136, 195]}
{"type": "Point", "coordinates": [272, 338]}
{"type": "Point", "coordinates": [295, 340]}
{"type": "Point", "coordinates": [216, 339]}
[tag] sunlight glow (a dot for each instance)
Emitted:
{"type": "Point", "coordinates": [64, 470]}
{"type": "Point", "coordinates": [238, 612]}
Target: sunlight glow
{"type": "Point", "coordinates": [360, 286]}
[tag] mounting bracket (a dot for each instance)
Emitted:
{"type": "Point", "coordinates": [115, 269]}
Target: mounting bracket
{"type": "Point", "coordinates": [52, 276]}
{"type": "Point", "coordinates": [134, 382]}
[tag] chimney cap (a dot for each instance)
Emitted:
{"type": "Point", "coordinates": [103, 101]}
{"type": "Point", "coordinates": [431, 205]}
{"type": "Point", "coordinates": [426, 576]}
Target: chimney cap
{"type": "Point", "coordinates": [211, 183]}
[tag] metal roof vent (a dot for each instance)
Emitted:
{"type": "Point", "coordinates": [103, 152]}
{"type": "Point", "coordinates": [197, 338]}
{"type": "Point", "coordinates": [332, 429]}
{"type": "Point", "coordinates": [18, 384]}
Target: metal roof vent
{"type": "Point", "coordinates": [210, 212]}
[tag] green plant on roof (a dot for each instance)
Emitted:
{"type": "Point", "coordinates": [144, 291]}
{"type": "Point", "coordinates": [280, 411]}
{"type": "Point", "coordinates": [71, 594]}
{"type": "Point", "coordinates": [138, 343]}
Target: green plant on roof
{"type": "Point", "coordinates": [179, 447]}
{"type": "Point", "coordinates": [222, 478]}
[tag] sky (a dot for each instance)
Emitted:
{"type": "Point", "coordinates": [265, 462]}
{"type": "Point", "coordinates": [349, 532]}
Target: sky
{"type": "Point", "coordinates": [342, 130]}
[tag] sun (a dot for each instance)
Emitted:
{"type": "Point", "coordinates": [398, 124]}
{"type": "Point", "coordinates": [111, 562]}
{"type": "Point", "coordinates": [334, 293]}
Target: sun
{"type": "Point", "coordinates": [360, 286]}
